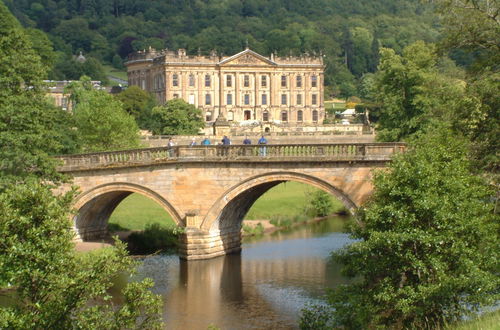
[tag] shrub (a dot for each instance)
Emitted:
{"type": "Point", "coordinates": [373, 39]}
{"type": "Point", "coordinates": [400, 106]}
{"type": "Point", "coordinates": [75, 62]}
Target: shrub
{"type": "Point", "coordinates": [321, 204]}
{"type": "Point", "coordinates": [253, 231]}
{"type": "Point", "coordinates": [154, 238]}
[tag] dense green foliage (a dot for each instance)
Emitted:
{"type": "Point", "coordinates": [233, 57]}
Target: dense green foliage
{"type": "Point", "coordinates": [139, 104]}
{"type": "Point", "coordinates": [420, 87]}
{"type": "Point", "coordinates": [321, 203]}
{"type": "Point", "coordinates": [428, 250]}
{"type": "Point", "coordinates": [100, 120]}
{"type": "Point", "coordinates": [347, 32]}
{"type": "Point", "coordinates": [49, 285]}
{"type": "Point", "coordinates": [30, 128]}
{"type": "Point", "coordinates": [176, 117]}
{"type": "Point", "coordinates": [412, 91]}
{"type": "Point", "coordinates": [472, 29]}
{"type": "Point", "coordinates": [52, 286]}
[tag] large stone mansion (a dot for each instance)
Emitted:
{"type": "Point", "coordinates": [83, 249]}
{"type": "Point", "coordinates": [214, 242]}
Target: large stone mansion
{"type": "Point", "coordinates": [245, 86]}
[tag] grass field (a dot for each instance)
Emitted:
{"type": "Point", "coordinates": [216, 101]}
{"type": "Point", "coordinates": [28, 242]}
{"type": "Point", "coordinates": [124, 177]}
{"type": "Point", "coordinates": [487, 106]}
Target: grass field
{"type": "Point", "coordinates": [287, 200]}
{"type": "Point", "coordinates": [487, 321]}
{"type": "Point", "coordinates": [111, 71]}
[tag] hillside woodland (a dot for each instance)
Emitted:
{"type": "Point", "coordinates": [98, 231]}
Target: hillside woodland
{"type": "Point", "coordinates": [348, 33]}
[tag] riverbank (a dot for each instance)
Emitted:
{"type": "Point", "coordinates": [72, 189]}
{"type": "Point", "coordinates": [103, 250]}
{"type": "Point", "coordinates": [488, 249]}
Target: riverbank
{"type": "Point", "coordinates": [287, 200]}
{"type": "Point", "coordinates": [269, 228]}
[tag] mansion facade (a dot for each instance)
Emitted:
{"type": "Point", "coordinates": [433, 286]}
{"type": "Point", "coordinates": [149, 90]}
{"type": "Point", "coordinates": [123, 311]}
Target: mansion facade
{"type": "Point", "coordinates": [243, 87]}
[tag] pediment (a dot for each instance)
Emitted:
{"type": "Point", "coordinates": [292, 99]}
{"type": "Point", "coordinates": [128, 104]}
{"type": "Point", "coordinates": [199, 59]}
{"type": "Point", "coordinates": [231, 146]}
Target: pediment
{"type": "Point", "coordinates": [247, 57]}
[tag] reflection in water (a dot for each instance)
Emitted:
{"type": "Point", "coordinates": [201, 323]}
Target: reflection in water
{"type": "Point", "coordinates": [265, 287]}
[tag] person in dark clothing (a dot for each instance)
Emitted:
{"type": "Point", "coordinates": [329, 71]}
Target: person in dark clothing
{"type": "Point", "coordinates": [223, 151]}
{"type": "Point", "coordinates": [247, 140]}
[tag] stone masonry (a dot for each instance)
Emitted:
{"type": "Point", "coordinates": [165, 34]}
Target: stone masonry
{"type": "Point", "coordinates": [208, 190]}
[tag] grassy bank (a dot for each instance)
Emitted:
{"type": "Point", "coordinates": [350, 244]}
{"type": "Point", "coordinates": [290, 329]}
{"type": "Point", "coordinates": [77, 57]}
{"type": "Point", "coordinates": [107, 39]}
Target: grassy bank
{"type": "Point", "coordinates": [111, 71]}
{"type": "Point", "coordinates": [487, 321]}
{"type": "Point", "coordinates": [285, 200]}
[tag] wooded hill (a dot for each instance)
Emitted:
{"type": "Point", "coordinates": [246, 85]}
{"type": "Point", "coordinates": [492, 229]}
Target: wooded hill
{"type": "Point", "coordinates": [349, 33]}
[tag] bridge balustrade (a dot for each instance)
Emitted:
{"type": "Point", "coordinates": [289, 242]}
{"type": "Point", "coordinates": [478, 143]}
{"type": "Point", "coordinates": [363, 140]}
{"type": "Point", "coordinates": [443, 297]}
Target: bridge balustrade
{"type": "Point", "coordinates": [269, 153]}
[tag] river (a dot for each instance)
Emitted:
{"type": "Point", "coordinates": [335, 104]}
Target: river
{"type": "Point", "coordinates": [264, 287]}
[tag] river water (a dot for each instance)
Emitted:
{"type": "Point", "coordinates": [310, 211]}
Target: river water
{"type": "Point", "coordinates": [264, 287]}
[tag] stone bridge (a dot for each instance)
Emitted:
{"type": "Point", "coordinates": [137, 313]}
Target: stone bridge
{"type": "Point", "coordinates": [209, 189]}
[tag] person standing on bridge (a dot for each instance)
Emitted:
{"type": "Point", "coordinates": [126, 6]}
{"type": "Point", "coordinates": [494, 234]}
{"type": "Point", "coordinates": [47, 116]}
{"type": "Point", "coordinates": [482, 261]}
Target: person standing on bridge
{"type": "Point", "coordinates": [225, 144]}
{"type": "Point", "coordinates": [247, 140]}
{"type": "Point", "coordinates": [193, 142]}
{"type": "Point", "coordinates": [226, 141]}
{"type": "Point", "coordinates": [263, 148]}
{"type": "Point", "coordinates": [170, 147]}
{"type": "Point", "coordinates": [205, 142]}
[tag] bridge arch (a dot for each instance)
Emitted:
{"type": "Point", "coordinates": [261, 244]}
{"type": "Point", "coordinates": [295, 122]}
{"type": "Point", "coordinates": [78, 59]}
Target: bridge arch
{"type": "Point", "coordinates": [95, 206]}
{"type": "Point", "coordinates": [228, 211]}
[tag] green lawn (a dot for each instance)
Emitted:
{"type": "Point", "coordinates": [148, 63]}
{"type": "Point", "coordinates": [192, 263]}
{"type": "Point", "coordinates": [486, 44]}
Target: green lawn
{"type": "Point", "coordinates": [136, 211]}
{"type": "Point", "coordinates": [286, 199]}
{"type": "Point", "coordinates": [111, 71]}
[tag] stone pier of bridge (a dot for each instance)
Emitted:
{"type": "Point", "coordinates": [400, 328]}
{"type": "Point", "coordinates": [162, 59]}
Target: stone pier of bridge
{"type": "Point", "coordinates": [209, 189]}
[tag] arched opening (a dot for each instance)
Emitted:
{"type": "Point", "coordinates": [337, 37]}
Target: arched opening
{"type": "Point", "coordinates": [96, 206]}
{"type": "Point", "coordinates": [229, 211]}
{"type": "Point", "coordinates": [223, 223]}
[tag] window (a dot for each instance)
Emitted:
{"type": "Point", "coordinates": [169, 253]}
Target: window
{"type": "Point", "coordinates": [229, 99]}
{"type": "Point", "coordinates": [191, 80]}
{"type": "Point", "coordinates": [247, 115]}
{"type": "Point", "coordinates": [207, 80]}
{"type": "Point", "coordinates": [246, 99]}
{"type": "Point", "coordinates": [264, 99]}
{"type": "Point", "coordinates": [283, 81]}
{"type": "Point", "coordinates": [283, 99]}
{"type": "Point", "coordinates": [314, 99]}
{"type": "Point", "coordinates": [299, 115]}
{"type": "Point", "coordinates": [208, 99]}
{"type": "Point", "coordinates": [191, 99]}
{"type": "Point", "coordinates": [284, 116]}
{"type": "Point", "coordinates": [299, 81]}
{"type": "Point", "coordinates": [208, 116]}
{"type": "Point", "coordinates": [265, 116]}
{"type": "Point", "coordinates": [263, 81]}
{"type": "Point", "coordinates": [175, 80]}
{"type": "Point", "coordinates": [176, 96]}
{"type": "Point", "coordinates": [246, 81]}
{"type": "Point", "coordinates": [314, 81]}
{"type": "Point", "coordinates": [229, 81]}
{"type": "Point", "coordinates": [230, 115]}
{"type": "Point", "coordinates": [315, 115]}
{"type": "Point", "coordinates": [299, 99]}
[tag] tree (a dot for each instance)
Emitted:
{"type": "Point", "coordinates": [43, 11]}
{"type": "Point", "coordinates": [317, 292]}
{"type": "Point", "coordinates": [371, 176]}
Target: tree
{"type": "Point", "coordinates": [55, 288]}
{"type": "Point", "coordinates": [474, 26]}
{"type": "Point", "coordinates": [176, 117]}
{"type": "Point", "coordinates": [411, 92]}
{"type": "Point", "coordinates": [321, 203]}
{"type": "Point", "coordinates": [27, 120]}
{"type": "Point", "coordinates": [42, 46]}
{"type": "Point", "coordinates": [427, 250]}
{"type": "Point", "coordinates": [101, 122]}
{"type": "Point", "coordinates": [138, 103]}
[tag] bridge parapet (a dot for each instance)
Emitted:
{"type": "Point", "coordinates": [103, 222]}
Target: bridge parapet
{"type": "Point", "coordinates": [232, 153]}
